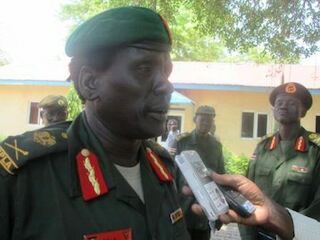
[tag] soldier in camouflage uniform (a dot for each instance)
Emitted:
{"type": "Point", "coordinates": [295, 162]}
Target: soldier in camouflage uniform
{"type": "Point", "coordinates": [99, 178]}
{"type": "Point", "coordinates": [210, 151]}
{"type": "Point", "coordinates": [286, 165]}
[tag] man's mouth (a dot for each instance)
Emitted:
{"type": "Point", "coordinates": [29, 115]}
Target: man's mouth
{"type": "Point", "coordinates": [159, 115]}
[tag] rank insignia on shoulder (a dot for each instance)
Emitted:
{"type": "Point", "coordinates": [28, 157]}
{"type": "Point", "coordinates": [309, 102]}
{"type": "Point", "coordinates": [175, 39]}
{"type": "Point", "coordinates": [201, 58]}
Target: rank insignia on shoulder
{"type": "Point", "coordinates": [158, 166]}
{"type": "Point", "coordinates": [315, 138]}
{"type": "Point", "coordinates": [122, 234]}
{"type": "Point", "coordinates": [182, 135]}
{"type": "Point", "coordinates": [91, 178]}
{"type": "Point", "coordinates": [176, 215]}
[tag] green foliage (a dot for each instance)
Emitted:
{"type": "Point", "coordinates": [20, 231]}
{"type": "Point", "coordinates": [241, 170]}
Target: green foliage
{"type": "Point", "coordinates": [2, 137]}
{"type": "Point", "coordinates": [281, 30]}
{"type": "Point", "coordinates": [235, 164]}
{"type": "Point", "coordinates": [74, 103]}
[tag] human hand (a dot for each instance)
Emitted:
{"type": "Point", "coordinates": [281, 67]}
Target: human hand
{"type": "Point", "coordinates": [268, 214]}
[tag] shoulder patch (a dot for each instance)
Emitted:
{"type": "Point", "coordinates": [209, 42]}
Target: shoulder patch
{"type": "Point", "coordinates": [17, 151]}
{"type": "Point", "coordinates": [182, 135]}
{"type": "Point", "coordinates": [315, 138]}
{"type": "Point", "coordinates": [266, 137]}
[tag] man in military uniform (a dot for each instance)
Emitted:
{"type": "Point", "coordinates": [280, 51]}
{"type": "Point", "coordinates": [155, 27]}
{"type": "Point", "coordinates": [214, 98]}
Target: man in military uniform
{"type": "Point", "coordinates": [210, 151]}
{"type": "Point", "coordinates": [286, 164]}
{"type": "Point", "coordinates": [100, 179]}
{"type": "Point", "coordinates": [54, 109]}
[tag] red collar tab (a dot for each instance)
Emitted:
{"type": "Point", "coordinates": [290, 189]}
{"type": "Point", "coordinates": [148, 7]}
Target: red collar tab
{"type": "Point", "coordinates": [274, 143]}
{"type": "Point", "coordinates": [300, 144]}
{"type": "Point", "coordinates": [158, 166]}
{"type": "Point", "coordinates": [92, 182]}
{"type": "Point", "coordinates": [123, 234]}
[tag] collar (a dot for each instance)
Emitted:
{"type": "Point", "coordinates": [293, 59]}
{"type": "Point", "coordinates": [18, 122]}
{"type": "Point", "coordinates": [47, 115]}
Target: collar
{"type": "Point", "coordinates": [301, 142]}
{"type": "Point", "coordinates": [91, 174]}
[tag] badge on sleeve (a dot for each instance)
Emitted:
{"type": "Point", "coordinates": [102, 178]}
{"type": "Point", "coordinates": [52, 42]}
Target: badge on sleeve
{"type": "Point", "coordinates": [91, 178]}
{"type": "Point", "coordinates": [123, 234]}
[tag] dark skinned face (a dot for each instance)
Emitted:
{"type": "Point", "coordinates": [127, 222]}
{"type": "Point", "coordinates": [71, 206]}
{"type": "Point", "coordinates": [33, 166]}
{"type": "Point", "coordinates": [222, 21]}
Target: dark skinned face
{"type": "Point", "coordinates": [288, 109]}
{"type": "Point", "coordinates": [134, 93]}
{"type": "Point", "coordinates": [50, 116]}
{"type": "Point", "coordinates": [203, 122]}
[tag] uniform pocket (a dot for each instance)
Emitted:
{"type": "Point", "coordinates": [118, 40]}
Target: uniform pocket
{"type": "Point", "coordinates": [263, 179]}
{"type": "Point", "coordinates": [298, 190]}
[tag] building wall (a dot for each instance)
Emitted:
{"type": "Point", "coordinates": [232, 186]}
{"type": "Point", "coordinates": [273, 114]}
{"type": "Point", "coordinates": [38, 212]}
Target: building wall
{"type": "Point", "coordinates": [229, 106]}
{"type": "Point", "coordinates": [15, 106]}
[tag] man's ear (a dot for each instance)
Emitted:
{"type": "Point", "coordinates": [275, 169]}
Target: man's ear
{"type": "Point", "coordinates": [87, 84]}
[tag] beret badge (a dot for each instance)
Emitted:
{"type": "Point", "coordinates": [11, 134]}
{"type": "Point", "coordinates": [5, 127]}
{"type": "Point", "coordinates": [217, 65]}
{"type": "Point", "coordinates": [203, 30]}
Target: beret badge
{"type": "Point", "coordinates": [291, 88]}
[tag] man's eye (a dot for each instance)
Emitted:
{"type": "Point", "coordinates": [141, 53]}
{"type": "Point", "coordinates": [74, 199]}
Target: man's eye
{"type": "Point", "coordinates": [144, 68]}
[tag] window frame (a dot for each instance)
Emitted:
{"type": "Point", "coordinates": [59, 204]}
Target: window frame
{"type": "Point", "coordinates": [255, 124]}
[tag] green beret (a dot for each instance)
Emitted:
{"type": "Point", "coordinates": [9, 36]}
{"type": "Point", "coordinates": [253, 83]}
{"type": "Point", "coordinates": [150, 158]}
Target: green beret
{"type": "Point", "coordinates": [54, 102]}
{"type": "Point", "coordinates": [293, 89]}
{"type": "Point", "coordinates": [118, 26]}
{"type": "Point", "coordinates": [206, 110]}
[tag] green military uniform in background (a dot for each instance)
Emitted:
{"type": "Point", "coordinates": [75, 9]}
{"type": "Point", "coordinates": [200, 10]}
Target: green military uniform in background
{"type": "Point", "coordinates": [43, 200]}
{"type": "Point", "coordinates": [287, 170]}
{"type": "Point", "coordinates": [210, 151]}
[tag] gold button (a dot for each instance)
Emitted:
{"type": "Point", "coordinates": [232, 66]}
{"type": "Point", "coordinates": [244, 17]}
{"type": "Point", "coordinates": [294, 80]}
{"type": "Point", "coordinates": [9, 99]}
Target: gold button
{"type": "Point", "coordinates": [85, 152]}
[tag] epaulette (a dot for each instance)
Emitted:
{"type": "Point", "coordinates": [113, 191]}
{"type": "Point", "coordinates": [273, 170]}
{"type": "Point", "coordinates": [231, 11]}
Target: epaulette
{"type": "Point", "coordinates": [314, 138]}
{"type": "Point", "coordinates": [265, 137]}
{"type": "Point", "coordinates": [160, 161]}
{"type": "Point", "coordinates": [158, 149]}
{"type": "Point", "coordinates": [182, 135]}
{"type": "Point", "coordinates": [17, 151]}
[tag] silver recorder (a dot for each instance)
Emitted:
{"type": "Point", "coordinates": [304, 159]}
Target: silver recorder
{"type": "Point", "coordinates": [203, 187]}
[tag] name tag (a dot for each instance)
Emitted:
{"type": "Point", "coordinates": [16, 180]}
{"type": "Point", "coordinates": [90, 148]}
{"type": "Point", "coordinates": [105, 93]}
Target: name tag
{"type": "Point", "coordinates": [176, 215]}
{"type": "Point", "coordinates": [122, 234]}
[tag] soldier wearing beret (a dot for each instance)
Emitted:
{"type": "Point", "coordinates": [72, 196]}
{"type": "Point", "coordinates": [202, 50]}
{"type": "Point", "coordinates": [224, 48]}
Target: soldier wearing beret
{"type": "Point", "coordinates": [210, 151]}
{"type": "Point", "coordinates": [54, 109]}
{"type": "Point", "coordinates": [100, 179]}
{"type": "Point", "coordinates": [285, 165]}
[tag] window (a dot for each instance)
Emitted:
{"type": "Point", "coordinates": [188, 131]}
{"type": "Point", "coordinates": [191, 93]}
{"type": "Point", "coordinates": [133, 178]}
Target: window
{"type": "Point", "coordinates": [165, 134]}
{"type": "Point", "coordinates": [317, 124]}
{"type": "Point", "coordinates": [253, 125]}
{"type": "Point", "coordinates": [34, 117]}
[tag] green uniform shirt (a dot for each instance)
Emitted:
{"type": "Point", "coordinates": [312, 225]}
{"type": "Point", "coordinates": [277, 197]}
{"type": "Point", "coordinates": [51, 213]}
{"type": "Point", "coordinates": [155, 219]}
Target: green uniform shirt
{"type": "Point", "coordinates": [44, 200]}
{"type": "Point", "coordinates": [289, 172]}
{"type": "Point", "coordinates": [210, 151]}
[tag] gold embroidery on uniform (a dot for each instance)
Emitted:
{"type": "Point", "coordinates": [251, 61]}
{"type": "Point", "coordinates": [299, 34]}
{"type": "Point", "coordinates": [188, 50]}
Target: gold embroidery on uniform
{"type": "Point", "coordinates": [64, 135]}
{"type": "Point", "coordinates": [44, 138]}
{"type": "Point", "coordinates": [92, 176]}
{"type": "Point", "coordinates": [7, 163]}
{"type": "Point", "coordinates": [16, 149]}
{"type": "Point", "coordinates": [159, 166]}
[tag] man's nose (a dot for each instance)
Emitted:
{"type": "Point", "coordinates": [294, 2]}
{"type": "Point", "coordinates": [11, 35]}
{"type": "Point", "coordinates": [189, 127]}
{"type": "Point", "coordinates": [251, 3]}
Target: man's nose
{"type": "Point", "coordinates": [162, 86]}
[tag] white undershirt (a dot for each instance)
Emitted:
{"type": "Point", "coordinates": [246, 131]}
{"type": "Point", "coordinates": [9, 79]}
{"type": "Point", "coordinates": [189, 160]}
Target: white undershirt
{"type": "Point", "coordinates": [133, 177]}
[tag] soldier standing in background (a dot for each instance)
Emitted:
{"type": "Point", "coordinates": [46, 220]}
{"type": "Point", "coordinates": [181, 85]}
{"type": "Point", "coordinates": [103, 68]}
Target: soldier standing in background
{"type": "Point", "coordinates": [286, 165]}
{"type": "Point", "coordinates": [210, 151]}
{"type": "Point", "coordinates": [53, 109]}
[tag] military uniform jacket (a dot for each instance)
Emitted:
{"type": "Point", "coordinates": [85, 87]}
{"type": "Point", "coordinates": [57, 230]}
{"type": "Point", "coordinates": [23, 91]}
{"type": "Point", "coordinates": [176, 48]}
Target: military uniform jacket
{"type": "Point", "coordinates": [291, 178]}
{"type": "Point", "coordinates": [70, 190]}
{"type": "Point", "coordinates": [210, 151]}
